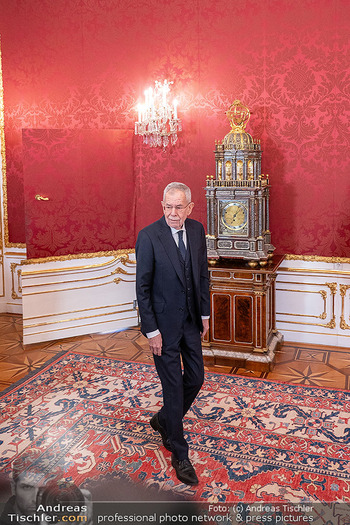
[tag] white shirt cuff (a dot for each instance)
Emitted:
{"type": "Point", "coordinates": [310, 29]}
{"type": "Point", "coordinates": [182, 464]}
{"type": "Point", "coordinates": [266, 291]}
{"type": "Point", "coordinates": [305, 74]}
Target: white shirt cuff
{"type": "Point", "coordinates": [153, 334]}
{"type": "Point", "coordinates": [157, 332]}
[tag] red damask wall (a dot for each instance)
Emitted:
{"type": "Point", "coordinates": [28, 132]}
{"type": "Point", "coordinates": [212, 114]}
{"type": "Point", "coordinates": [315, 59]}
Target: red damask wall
{"type": "Point", "coordinates": [84, 64]}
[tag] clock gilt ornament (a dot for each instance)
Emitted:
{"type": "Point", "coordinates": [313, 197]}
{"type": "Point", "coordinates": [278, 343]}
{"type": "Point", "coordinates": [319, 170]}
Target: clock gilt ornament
{"type": "Point", "coordinates": [238, 196]}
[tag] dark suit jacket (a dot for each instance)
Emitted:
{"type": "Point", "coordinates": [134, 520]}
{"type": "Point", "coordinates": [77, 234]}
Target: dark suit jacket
{"type": "Point", "coordinates": [160, 282]}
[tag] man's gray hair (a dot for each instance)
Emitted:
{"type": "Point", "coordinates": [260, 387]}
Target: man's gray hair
{"type": "Point", "coordinates": [178, 186]}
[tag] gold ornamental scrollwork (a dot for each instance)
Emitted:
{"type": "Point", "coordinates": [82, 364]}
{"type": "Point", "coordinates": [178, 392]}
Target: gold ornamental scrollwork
{"type": "Point", "coordinates": [119, 270]}
{"type": "Point", "coordinates": [2, 271]}
{"type": "Point", "coordinates": [16, 275]}
{"type": "Point", "coordinates": [343, 289]}
{"type": "Point", "coordinates": [238, 114]}
{"type": "Point", "coordinates": [125, 259]}
{"type": "Point", "coordinates": [333, 289]}
{"type": "Point", "coordinates": [324, 296]}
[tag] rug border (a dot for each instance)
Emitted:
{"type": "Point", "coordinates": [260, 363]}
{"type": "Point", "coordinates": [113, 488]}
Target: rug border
{"type": "Point", "coordinates": [33, 372]}
{"type": "Point", "coordinates": [63, 352]}
{"type": "Point", "coordinates": [275, 381]}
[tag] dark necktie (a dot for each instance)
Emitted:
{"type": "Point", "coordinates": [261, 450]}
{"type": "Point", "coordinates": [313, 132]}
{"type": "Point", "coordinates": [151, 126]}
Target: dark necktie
{"type": "Point", "coordinates": [182, 246]}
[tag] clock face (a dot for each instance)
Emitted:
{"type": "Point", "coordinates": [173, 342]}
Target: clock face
{"type": "Point", "coordinates": [233, 218]}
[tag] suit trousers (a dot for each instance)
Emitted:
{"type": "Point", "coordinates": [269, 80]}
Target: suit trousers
{"type": "Point", "coordinates": [180, 387]}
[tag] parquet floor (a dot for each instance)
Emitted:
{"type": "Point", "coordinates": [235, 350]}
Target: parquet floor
{"type": "Point", "coordinates": [298, 364]}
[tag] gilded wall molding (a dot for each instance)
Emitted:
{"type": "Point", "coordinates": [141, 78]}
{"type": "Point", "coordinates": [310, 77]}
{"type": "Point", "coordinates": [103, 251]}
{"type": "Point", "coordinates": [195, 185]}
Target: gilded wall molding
{"type": "Point", "coordinates": [2, 288]}
{"type": "Point", "coordinates": [332, 322]}
{"type": "Point", "coordinates": [124, 259]}
{"type": "Point", "coordinates": [3, 161]}
{"type": "Point", "coordinates": [317, 258]}
{"type": "Point", "coordinates": [323, 294]}
{"type": "Point", "coordinates": [3, 164]}
{"type": "Point", "coordinates": [75, 281]}
{"type": "Point", "coordinates": [81, 318]}
{"type": "Point", "coordinates": [313, 271]}
{"type": "Point", "coordinates": [80, 310]}
{"type": "Point", "coordinates": [2, 141]}
{"type": "Point", "coordinates": [93, 267]}
{"type": "Point", "coordinates": [343, 290]}
{"type": "Point", "coordinates": [117, 280]}
{"type": "Point", "coordinates": [16, 276]}
{"type": "Point", "coordinates": [314, 333]}
{"type": "Point", "coordinates": [88, 325]}
{"type": "Point", "coordinates": [123, 255]}
{"type": "Point", "coordinates": [126, 251]}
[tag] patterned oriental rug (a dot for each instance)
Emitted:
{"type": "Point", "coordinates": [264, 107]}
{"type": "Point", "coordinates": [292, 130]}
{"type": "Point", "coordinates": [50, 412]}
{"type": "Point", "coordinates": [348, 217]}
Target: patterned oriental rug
{"type": "Point", "coordinates": [250, 440]}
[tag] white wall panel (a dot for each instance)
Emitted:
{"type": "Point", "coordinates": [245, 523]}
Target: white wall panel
{"type": "Point", "coordinates": [79, 296]}
{"type": "Point", "coordinates": [313, 301]}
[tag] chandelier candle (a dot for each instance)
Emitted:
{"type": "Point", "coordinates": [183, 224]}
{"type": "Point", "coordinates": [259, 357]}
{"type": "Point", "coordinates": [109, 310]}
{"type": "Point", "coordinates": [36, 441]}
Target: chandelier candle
{"type": "Point", "coordinates": [158, 122]}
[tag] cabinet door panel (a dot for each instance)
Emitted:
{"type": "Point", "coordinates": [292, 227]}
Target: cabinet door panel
{"type": "Point", "coordinates": [243, 319]}
{"type": "Point", "coordinates": [221, 309]}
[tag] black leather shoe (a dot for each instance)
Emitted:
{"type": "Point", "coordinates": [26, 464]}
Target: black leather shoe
{"type": "Point", "coordinates": [158, 428]}
{"type": "Point", "coordinates": [184, 471]}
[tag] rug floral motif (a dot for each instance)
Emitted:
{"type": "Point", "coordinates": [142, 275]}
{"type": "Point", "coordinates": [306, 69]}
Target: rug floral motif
{"type": "Point", "coordinates": [250, 440]}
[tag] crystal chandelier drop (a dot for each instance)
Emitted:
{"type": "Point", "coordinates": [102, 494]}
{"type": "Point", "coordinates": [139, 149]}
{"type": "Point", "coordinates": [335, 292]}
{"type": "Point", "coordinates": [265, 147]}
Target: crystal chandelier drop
{"type": "Point", "coordinates": [157, 118]}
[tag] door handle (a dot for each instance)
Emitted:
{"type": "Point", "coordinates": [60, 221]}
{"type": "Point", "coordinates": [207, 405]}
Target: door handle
{"type": "Point", "coordinates": [41, 198]}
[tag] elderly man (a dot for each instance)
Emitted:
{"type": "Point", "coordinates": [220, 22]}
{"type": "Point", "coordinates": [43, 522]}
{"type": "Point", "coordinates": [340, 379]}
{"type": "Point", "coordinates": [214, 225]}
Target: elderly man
{"type": "Point", "coordinates": [172, 288]}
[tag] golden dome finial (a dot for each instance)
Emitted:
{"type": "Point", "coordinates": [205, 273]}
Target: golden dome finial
{"type": "Point", "coordinates": [238, 115]}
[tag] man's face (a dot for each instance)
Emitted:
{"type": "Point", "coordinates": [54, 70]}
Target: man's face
{"type": "Point", "coordinates": [176, 208]}
{"type": "Point", "coordinates": [26, 489]}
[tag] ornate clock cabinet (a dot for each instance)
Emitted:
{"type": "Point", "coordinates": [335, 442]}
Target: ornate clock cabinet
{"type": "Point", "coordinates": [242, 266]}
{"type": "Point", "coordinates": [242, 329]}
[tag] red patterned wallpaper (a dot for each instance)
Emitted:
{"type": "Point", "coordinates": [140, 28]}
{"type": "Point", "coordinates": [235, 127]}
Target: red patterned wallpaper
{"type": "Point", "coordinates": [69, 64]}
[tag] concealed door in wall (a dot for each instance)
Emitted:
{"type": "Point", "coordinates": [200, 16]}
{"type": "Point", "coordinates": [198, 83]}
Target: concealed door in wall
{"type": "Point", "coordinates": [79, 191]}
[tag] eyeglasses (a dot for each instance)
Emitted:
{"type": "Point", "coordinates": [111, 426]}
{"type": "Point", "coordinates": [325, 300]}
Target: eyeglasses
{"type": "Point", "coordinates": [179, 207]}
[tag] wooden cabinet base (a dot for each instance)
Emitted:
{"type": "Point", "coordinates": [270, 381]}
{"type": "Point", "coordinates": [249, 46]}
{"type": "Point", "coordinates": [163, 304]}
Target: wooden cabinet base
{"type": "Point", "coordinates": [242, 330]}
{"type": "Point", "coordinates": [241, 358]}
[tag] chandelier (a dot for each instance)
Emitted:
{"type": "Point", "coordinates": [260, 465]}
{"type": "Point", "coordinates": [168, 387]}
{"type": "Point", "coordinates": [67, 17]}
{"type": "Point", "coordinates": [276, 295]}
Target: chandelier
{"type": "Point", "coordinates": [157, 118]}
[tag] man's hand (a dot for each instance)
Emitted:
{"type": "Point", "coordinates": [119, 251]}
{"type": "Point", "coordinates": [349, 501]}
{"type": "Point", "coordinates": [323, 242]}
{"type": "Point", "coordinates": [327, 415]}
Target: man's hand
{"type": "Point", "coordinates": [205, 323]}
{"type": "Point", "coordinates": [155, 344]}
